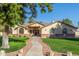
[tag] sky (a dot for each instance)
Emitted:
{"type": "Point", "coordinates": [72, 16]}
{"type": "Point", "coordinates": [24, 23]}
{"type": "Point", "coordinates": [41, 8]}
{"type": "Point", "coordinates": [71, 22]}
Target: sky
{"type": "Point", "coordinates": [61, 11]}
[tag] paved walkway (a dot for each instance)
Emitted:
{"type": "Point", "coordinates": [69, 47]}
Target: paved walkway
{"type": "Point", "coordinates": [36, 49]}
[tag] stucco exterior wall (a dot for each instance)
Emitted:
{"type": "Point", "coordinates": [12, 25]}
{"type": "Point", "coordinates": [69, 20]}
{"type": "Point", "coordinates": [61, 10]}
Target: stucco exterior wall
{"type": "Point", "coordinates": [14, 31]}
{"type": "Point", "coordinates": [58, 29]}
{"type": "Point", "coordinates": [25, 30]}
{"type": "Point", "coordinates": [77, 33]}
{"type": "Point", "coordinates": [46, 31]}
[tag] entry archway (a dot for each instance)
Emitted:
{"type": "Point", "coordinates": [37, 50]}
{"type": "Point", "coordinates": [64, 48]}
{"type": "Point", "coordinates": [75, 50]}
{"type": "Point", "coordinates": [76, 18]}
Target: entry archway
{"type": "Point", "coordinates": [36, 31]}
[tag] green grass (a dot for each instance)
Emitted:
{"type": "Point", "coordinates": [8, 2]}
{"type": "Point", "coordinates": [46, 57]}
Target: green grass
{"type": "Point", "coordinates": [63, 45]}
{"type": "Point", "coordinates": [15, 43]}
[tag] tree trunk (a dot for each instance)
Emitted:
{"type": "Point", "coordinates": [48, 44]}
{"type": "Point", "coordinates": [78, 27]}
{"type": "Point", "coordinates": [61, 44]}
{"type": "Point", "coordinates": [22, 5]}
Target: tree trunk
{"type": "Point", "coordinates": [5, 39]}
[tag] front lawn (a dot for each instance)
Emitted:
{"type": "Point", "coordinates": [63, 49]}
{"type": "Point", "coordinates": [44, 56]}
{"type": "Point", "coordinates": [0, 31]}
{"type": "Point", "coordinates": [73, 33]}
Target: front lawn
{"type": "Point", "coordinates": [63, 45]}
{"type": "Point", "coordinates": [15, 43]}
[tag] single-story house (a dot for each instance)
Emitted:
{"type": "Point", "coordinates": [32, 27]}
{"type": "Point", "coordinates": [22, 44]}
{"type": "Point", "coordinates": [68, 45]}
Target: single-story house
{"type": "Point", "coordinates": [55, 29]}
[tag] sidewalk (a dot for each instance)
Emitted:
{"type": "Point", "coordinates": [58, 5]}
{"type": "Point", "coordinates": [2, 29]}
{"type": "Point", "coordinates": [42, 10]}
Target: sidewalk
{"type": "Point", "coordinates": [36, 49]}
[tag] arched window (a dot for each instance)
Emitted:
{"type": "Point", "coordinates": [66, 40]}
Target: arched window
{"type": "Point", "coordinates": [21, 30]}
{"type": "Point", "coordinates": [10, 30]}
{"type": "Point", "coordinates": [64, 31]}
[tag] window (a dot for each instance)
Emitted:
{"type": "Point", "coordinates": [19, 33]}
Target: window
{"type": "Point", "coordinates": [31, 31]}
{"type": "Point", "coordinates": [64, 31]}
{"type": "Point", "coordinates": [21, 31]}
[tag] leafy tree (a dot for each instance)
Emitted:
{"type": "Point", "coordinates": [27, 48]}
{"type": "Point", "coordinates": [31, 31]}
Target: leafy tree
{"type": "Point", "coordinates": [67, 21]}
{"type": "Point", "coordinates": [10, 14]}
{"type": "Point", "coordinates": [14, 14]}
{"type": "Point", "coordinates": [32, 9]}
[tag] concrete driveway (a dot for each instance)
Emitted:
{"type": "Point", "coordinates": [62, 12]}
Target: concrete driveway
{"type": "Point", "coordinates": [36, 49]}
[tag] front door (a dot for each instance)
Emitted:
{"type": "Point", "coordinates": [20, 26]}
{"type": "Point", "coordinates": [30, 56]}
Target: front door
{"type": "Point", "coordinates": [36, 32]}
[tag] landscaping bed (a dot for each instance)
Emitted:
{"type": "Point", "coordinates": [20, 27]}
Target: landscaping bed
{"type": "Point", "coordinates": [63, 45]}
{"type": "Point", "coordinates": [15, 43]}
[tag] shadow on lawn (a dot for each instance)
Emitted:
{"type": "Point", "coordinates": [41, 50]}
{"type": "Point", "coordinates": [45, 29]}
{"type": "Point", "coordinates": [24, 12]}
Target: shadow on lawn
{"type": "Point", "coordinates": [18, 39]}
{"type": "Point", "coordinates": [72, 39]}
{"type": "Point", "coordinates": [15, 39]}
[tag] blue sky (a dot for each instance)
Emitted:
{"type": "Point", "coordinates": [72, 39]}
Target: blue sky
{"type": "Point", "coordinates": [61, 11]}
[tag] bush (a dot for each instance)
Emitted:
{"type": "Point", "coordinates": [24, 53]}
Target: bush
{"type": "Point", "coordinates": [21, 39]}
{"type": "Point", "coordinates": [11, 35]}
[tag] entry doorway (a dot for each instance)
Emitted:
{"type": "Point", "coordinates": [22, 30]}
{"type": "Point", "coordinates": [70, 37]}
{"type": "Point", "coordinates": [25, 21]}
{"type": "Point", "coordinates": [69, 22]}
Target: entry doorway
{"type": "Point", "coordinates": [35, 31]}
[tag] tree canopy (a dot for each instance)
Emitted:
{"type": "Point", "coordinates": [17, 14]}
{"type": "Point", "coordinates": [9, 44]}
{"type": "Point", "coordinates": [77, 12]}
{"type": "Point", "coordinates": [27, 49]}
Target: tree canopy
{"type": "Point", "coordinates": [11, 14]}
{"type": "Point", "coordinates": [67, 21]}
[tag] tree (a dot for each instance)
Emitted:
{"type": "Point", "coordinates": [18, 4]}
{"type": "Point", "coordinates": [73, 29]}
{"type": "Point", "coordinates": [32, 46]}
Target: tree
{"type": "Point", "coordinates": [14, 14]}
{"type": "Point", "coordinates": [32, 9]}
{"type": "Point", "coordinates": [67, 21]}
{"type": "Point", "coordinates": [10, 14]}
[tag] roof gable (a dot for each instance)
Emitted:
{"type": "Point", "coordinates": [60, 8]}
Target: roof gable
{"type": "Point", "coordinates": [35, 24]}
{"type": "Point", "coordinates": [61, 23]}
{"type": "Point", "coordinates": [68, 25]}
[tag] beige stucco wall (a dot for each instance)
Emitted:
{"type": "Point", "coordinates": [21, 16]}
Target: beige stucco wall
{"type": "Point", "coordinates": [25, 30]}
{"type": "Point", "coordinates": [0, 33]}
{"type": "Point", "coordinates": [46, 30]}
{"type": "Point", "coordinates": [77, 34]}
{"type": "Point", "coordinates": [70, 30]}
{"type": "Point", "coordinates": [58, 29]}
{"type": "Point", "coordinates": [16, 31]}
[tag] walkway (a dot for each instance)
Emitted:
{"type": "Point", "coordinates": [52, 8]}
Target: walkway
{"type": "Point", "coordinates": [36, 49]}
